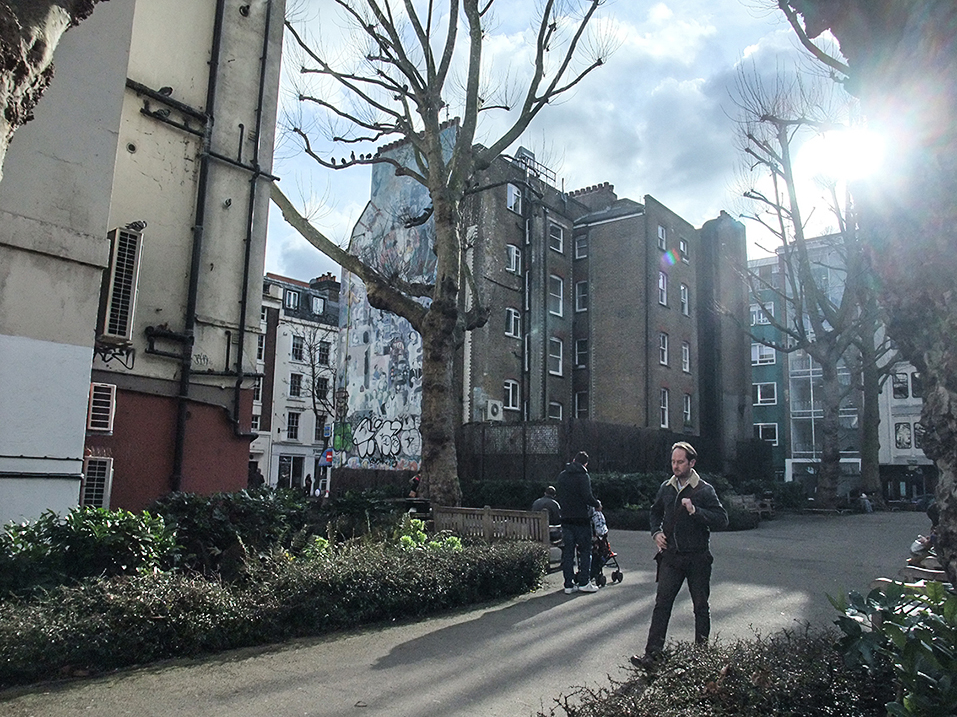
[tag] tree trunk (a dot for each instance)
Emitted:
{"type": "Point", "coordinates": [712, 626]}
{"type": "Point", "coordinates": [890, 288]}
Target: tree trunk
{"type": "Point", "coordinates": [870, 421]}
{"type": "Point", "coordinates": [830, 467]}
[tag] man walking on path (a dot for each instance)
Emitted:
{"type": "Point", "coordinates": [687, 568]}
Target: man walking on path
{"type": "Point", "coordinates": [574, 494]}
{"type": "Point", "coordinates": [685, 510]}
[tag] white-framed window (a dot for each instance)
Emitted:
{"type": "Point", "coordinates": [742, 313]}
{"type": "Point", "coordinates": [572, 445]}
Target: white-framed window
{"type": "Point", "coordinates": [761, 355]}
{"type": "Point", "coordinates": [662, 288]}
{"type": "Point", "coordinates": [513, 323]}
{"type": "Point", "coordinates": [322, 387]}
{"type": "Point", "coordinates": [683, 250]}
{"type": "Point", "coordinates": [663, 349]}
{"type": "Point", "coordinates": [554, 411]}
{"type": "Point", "coordinates": [291, 299]}
{"type": "Point", "coordinates": [292, 425]}
{"type": "Point", "coordinates": [759, 317]}
{"type": "Point", "coordinates": [581, 404]}
{"type": "Point", "coordinates": [662, 238]}
{"type": "Point", "coordinates": [258, 389]}
{"type": "Point", "coordinates": [686, 357]}
{"type": "Point", "coordinates": [916, 385]}
{"type": "Point", "coordinates": [556, 295]}
{"type": "Point", "coordinates": [902, 435]}
{"type": "Point", "coordinates": [766, 432]}
{"type": "Point", "coordinates": [581, 353]}
{"type": "Point", "coordinates": [663, 408]}
{"type": "Point", "coordinates": [556, 238]}
{"type": "Point", "coordinates": [581, 296]}
{"type": "Point", "coordinates": [514, 259]}
{"type": "Point", "coordinates": [320, 432]}
{"type": "Point", "coordinates": [685, 300]}
{"type": "Point", "coordinates": [555, 356]}
{"type": "Point", "coordinates": [298, 348]}
{"type": "Point", "coordinates": [260, 347]}
{"type": "Point", "coordinates": [254, 422]}
{"type": "Point", "coordinates": [899, 385]}
{"type": "Point", "coordinates": [514, 198]}
{"type": "Point", "coordinates": [295, 385]}
{"type": "Point", "coordinates": [686, 409]}
{"type": "Point", "coordinates": [101, 407]}
{"type": "Point", "coordinates": [323, 351]}
{"type": "Point", "coordinates": [262, 314]}
{"type": "Point", "coordinates": [581, 246]}
{"type": "Point", "coordinates": [764, 394]}
{"type": "Point", "coordinates": [318, 304]}
{"type": "Point", "coordinates": [512, 395]}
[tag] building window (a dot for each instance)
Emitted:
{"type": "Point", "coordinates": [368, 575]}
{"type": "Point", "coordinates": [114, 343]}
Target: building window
{"type": "Point", "coordinates": [554, 411]}
{"type": "Point", "coordinates": [662, 238]}
{"type": "Point", "coordinates": [514, 199]}
{"type": "Point", "coordinates": [295, 385]}
{"type": "Point", "coordinates": [254, 422]}
{"type": "Point", "coordinates": [512, 395]}
{"type": "Point", "coordinates": [685, 300]}
{"type": "Point", "coordinates": [514, 264]}
{"type": "Point", "coordinates": [556, 295]}
{"type": "Point", "coordinates": [556, 238]}
{"type": "Point", "coordinates": [759, 316]}
{"type": "Point", "coordinates": [291, 299]}
{"type": "Point", "coordinates": [318, 304]}
{"type": "Point", "coordinates": [513, 323]}
{"type": "Point", "coordinates": [262, 314]}
{"type": "Point", "coordinates": [686, 409]}
{"type": "Point", "coordinates": [683, 250]}
{"type": "Point", "coordinates": [919, 435]}
{"type": "Point", "coordinates": [686, 357]}
{"type": "Point", "coordinates": [581, 246]}
{"type": "Point", "coordinates": [320, 433]}
{"type": "Point", "coordinates": [766, 432]}
{"type": "Point", "coordinates": [916, 386]}
{"type": "Point", "coordinates": [581, 404]}
{"type": "Point", "coordinates": [298, 346]}
{"type": "Point", "coordinates": [260, 347]}
{"type": "Point", "coordinates": [899, 384]}
{"type": "Point", "coordinates": [663, 349]}
{"type": "Point", "coordinates": [555, 356]}
{"type": "Point", "coordinates": [323, 352]}
{"type": "Point", "coordinates": [581, 353]}
{"type": "Point", "coordinates": [663, 407]}
{"type": "Point", "coordinates": [761, 355]}
{"type": "Point", "coordinates": [581, 296]}
{"type": "Point", "coordinates": [764, 394]}
{"type": "Point", "coordinates": [292, 425]}
{"type": "Point", "coordinates": [662, 288]}
{"type": "Point", "coordinates": [902, 435]}
{"type": "Point", "coordinates": [258, 389]}
{"type": "Point", "coordinates": [322, 388]}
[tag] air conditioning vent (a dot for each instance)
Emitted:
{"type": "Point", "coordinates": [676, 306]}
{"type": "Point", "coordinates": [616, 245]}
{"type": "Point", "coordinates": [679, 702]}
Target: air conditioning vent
{"type": "Point", "coordinates": [97, 482]}
{"type": "Point", "coordinates": [119, 292]}
{"type": "Point", "coordinates": [102, 407]}
{"type": "Point", "coordinates": [493, 411]}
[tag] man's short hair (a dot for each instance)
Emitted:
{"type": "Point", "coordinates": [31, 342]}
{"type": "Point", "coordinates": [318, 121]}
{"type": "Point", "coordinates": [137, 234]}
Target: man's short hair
{"type": "Point", "coordinates": [689, 450]}
{"type": "Point", "coordinates": [581, 458]}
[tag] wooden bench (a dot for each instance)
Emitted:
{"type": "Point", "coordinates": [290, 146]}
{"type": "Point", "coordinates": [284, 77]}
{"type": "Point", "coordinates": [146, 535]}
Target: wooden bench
{"type": "Point", "coordinates": [764, 507]}
{"type": "Point", "coordinates": [494, 524]}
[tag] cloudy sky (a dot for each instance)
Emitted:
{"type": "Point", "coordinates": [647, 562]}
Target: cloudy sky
{"type": "Point", "coordinates": [656, 119]}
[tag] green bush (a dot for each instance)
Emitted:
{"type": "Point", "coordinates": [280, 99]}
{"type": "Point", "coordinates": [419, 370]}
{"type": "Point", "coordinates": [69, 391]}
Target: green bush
{"type": "Point", "coordinates": [106, 624]}
{"type": "Point", "coordinates": [789, 496]}
{"type": "Point", "coordinates": [629, 517]}
{"type": "Point", "coordinates": [740, 519]}
{"type": "Point", "coordinates": [617, 490]}
{"type": "Point", "coordinates": [914, 633]}
{"type": "Point", "coordinates": [88, 542]}
{"type": "Point", "coordinates": [785, 674]}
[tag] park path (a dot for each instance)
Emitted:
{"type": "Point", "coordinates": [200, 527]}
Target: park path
{"type": "Point", "coordinates": [512, 658]}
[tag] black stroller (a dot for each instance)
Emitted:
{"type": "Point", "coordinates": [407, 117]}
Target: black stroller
{"type": "Point", "coordinates": [601, 556]}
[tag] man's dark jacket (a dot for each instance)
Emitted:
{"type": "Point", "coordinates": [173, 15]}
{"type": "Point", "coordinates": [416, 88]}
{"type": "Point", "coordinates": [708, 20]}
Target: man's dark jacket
{"type": "Point", "coordinates": [687, 533]}
{"type": "Point", "coordinates": [573, 492]}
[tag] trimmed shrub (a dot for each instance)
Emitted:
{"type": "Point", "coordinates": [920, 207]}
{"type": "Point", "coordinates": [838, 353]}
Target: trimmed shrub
{"type": "Point", "coordinates": [740, 519]}
{"type": "Point", "coordinates": [785, 674]}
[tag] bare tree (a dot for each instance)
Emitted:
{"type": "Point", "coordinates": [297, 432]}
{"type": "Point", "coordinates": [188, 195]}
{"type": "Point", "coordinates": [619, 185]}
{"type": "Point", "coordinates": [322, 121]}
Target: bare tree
{"type": "Point", "coordinates": [900, 59]}
{"type": "Point", "coordinates": [825, 279]}
{"type": "Point", "coordinates": [29, 33]}
{"type": "Point", "coordinates": [320, 378]}
{"type": "Point", "coordinates": [421, 64]}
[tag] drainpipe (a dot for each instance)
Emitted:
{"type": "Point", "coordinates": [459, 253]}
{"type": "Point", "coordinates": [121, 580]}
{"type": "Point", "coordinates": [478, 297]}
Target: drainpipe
{"type": "Point", "coordinates": [186, 363]}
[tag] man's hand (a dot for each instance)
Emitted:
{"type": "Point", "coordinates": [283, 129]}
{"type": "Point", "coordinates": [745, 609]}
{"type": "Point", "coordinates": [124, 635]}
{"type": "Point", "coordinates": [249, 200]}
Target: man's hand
{"type": "Point", "coordinates": [689, 506]}
{"type": "Point", "coordinates": [661, 541]}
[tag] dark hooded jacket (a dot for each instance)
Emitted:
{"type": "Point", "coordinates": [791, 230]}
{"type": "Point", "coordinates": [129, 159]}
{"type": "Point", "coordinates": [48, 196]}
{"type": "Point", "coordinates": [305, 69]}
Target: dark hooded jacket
{"type": "Point", "coordinates": [573, 492]}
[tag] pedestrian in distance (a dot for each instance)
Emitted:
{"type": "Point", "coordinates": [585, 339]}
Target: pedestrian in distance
{"type": "Point", "coordinates": [573, 492]}
{"type": "Point", "coordinates": [548, 502]}
{"type": "Point", "coordinates": [685, 511]}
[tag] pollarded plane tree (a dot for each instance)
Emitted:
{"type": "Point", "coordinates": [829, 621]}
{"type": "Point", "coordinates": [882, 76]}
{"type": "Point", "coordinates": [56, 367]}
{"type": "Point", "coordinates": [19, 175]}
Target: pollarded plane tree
{"type": "Point", "coordinates": [320, 378]}
{"type": "Point", "coordinates": [899, 57]}
{"type": "Point", "coordinates": [419, 65]}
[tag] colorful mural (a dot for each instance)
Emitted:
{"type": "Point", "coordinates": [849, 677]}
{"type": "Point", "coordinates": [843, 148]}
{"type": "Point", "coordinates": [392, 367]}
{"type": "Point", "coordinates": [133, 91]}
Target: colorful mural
{"type": "Point", "coordinates": [381, 354]}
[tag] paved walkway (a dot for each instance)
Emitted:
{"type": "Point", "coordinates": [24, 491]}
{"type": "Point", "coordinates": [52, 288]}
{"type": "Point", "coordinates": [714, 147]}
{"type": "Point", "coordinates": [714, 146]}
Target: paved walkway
{"type": "Point", "coordinates": [512, 658]}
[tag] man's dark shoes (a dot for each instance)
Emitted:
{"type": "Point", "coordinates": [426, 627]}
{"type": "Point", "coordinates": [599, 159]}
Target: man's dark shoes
{"type": "Point", "coordinates": [646, 661]}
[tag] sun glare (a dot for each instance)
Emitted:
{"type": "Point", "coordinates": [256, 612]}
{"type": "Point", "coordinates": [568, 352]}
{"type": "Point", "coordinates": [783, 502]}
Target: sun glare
{"type": "Point", "coordinates": [843, 155]}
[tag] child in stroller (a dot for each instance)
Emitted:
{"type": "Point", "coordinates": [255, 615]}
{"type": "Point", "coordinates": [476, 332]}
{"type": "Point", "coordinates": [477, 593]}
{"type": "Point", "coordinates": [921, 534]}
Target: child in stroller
{"type": "Point", "coordinates": [601, 553]}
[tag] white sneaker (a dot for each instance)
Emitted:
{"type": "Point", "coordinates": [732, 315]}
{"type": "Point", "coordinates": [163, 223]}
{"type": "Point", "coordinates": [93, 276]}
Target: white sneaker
{"type": "Point", "coordinates": [588, 588]}
{"type": "Point", "coordinates": [573, 589]}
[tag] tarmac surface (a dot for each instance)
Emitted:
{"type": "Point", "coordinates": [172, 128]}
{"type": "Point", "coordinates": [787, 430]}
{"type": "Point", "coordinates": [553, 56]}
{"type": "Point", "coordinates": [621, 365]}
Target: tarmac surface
{"type": "Point", "coordinates": [514, 657]}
